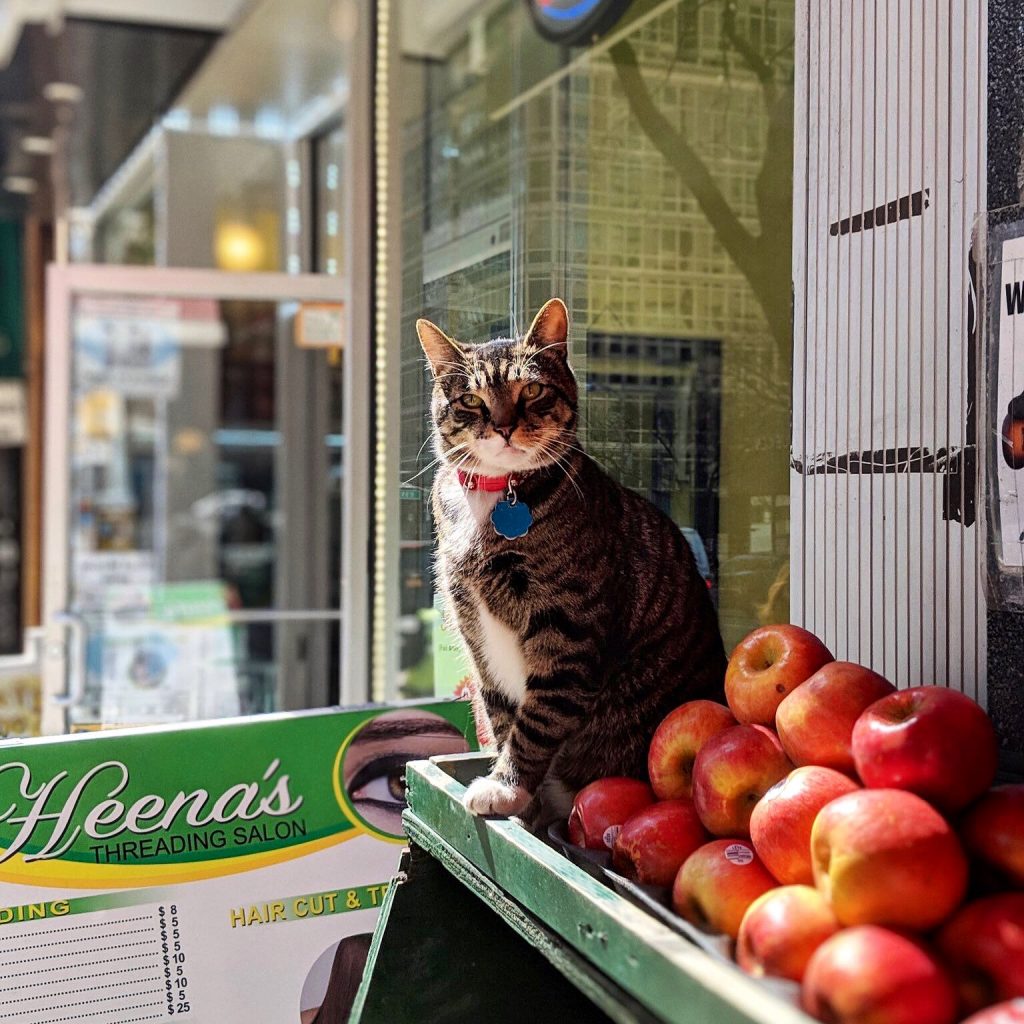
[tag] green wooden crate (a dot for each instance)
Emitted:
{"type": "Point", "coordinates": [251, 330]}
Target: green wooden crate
{"type": "Point", "coordinates": [630, 966]}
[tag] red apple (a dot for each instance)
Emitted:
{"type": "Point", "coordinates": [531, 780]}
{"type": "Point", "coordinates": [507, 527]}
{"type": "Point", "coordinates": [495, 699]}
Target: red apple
{"type": "Point", "coordinates": [767, 665]}
{"type": "Point", "coordinates": [872, 975]}
{"type": "Point", "coordinates": [656, 840]}
{"type": "Point", "coordinates": [1002, 1013]}
{"type": "Point", "coordinates": [733, 770]}
{"type": "Point", "coordinates": [781, 929]}
{"type": "Point", "coordinates": [884, 856]}
{"type": "Point", "coordinates": [780, 825]}
{"type": "Point", "coordinates": [676, 742]}
{"type": "Point", "coordinates": [601, 808]}
{"type": "Point", "coordinates": [717, 883]}
{"type": "Point", "coordinates": [815, 722]}
{"type": "Point", "coordinates": [932, 741]}
{"type": "Point", "coordinates": [983, 943]}
{"type": "Point", "coordinates": [993, 831]}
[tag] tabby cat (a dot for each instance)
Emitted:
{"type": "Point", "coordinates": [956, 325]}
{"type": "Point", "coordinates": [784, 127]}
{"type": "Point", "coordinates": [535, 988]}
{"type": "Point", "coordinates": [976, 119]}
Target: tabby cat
{"type": "Point", "coordinates": [578, 602]}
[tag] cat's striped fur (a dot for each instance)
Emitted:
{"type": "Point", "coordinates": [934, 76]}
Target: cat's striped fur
{"type": "Point", "coordinates": [586, 631]}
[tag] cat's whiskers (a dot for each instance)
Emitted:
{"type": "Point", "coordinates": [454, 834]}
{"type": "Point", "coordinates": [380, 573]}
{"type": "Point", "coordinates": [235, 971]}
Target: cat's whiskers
{"type": "Point", "coordinates": [576, 448]}
{"type": "Point", "coordinates": [426, 441]}
{"type": "Point", "coordinates": [533, 355]}
{"type": "Point", "coordinates": [558, 460]}
{"type": "Point", "coordinates": [430, 465]}
{"type": "Point", "coordinates": [458, 466]}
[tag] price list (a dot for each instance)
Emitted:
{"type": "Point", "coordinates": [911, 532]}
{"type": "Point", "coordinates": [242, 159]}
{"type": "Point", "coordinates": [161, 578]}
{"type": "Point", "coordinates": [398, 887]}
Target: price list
{"type": "Point", "coordinates": [111, 967]}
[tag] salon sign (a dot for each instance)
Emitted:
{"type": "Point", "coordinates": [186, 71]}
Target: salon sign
{"type": "Point", "coordinates": [221, 871]}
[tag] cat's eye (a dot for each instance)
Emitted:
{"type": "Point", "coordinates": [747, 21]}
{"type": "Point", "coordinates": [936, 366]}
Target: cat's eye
{"type": "Point", "coordinates": [472, 401]}
{"type": "Point", "coordinates": [532, 390]}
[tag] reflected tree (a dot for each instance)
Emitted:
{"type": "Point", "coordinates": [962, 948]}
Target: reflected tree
{"type": "Point", "coordinates": [763, 256]}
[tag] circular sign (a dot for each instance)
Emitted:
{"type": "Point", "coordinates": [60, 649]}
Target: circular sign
{"type": "Point", "coordinates": [575, 21]}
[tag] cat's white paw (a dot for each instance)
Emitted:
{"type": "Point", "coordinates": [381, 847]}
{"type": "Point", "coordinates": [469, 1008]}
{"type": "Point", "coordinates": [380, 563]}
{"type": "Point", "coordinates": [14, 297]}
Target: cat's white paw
{"type": "Point", "coordinates": [492, 796]}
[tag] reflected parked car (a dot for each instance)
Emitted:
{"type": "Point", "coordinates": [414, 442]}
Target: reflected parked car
{"type": "Point", "coordinates": [753, 590]}
{"type": "Point", "coordinates": [700, 554]}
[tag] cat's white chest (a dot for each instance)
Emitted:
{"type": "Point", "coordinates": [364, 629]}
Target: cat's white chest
{"type": "Point", "coordinates": [481, 505]}
{"type": "Point", "coordinates": [504, 656]}
{"type": "Point", "coordinates": [466, 528]}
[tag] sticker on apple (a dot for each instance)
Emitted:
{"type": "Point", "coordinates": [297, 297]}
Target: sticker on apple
{"type": "Point", "coordinates": [611, 833]}
{"type": "Point", "coordinates": [737, 853]}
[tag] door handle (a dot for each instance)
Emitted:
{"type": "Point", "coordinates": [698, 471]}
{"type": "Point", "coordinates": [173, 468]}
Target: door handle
{"type": "Point", "coordinates": [75, 626]}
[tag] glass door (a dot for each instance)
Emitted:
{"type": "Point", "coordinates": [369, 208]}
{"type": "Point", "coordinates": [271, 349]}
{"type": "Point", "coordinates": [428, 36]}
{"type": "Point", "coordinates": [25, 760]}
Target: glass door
{"type": "Point", "coordinates": [195, 485]}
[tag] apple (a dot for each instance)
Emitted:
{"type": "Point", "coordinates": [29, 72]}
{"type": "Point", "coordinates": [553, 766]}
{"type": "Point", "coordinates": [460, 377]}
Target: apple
{"type": "Point", "coordinates": [983, 943]}
{"type": "Point", "coordinates": [781, 929]}
{"type": "Point", "coordinates": [885, 856]}
{"type": "Point", "coordinates": [733, 770]}
{"type": "Point", "coordinates": [717, 883]}
{"type": "Point", "coordinates": [677, 740]}
{"type": "Point", "coordinates": [656, 840]}
{"type": "Point", "coordinates": [932, 741]}
{"type": "Point", "coordinates": [601, 808]}
{"type": "Point", "coordinates": [993, 831]}
{"type": "Point", "coordinates": [780, 824]}
{"type": "Point", "coordinates": [815, 722]}
{"type": "Point", "coordinates": [871, 975]}
{"type": "Point", "coordinates": [1002, 1013]}
{"type": "Point", "coordinates": [767, 665]}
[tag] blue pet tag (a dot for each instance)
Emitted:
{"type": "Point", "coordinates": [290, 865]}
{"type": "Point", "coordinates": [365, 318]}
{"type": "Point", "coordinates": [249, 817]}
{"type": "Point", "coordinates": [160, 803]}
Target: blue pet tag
{"type": "Point", "coordinates": [511, 518]}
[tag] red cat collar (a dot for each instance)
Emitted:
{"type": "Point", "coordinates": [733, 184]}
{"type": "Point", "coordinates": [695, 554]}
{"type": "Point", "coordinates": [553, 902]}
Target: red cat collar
{"type": "Point", "coordinates": [474, 482]}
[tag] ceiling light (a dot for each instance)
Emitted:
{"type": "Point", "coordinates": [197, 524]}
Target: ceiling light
{"type": "Point", "coordinates": [38, 145]}
{"type": "Point", "coordinates": [62, 92]}
{"type": "Point", "coordinates": [268, 123]}
{"type": "Point", "coordinates": [19, 183]}
{"type": "Point", "coordinates": [178, 119]}
{"type": "Point", "coordinates": [222, 120]}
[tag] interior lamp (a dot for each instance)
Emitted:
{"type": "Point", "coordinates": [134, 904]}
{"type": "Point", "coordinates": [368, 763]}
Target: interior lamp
{"type": "Point", "coordinates": [239, 246]}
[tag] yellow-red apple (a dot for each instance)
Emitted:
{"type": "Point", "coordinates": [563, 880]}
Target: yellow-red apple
{"type": "Point", "coordinates": [871, 975]}
{"type": "Point", "coordinates": [656, 840]}
{"type": "Point", "coordinates": [677, 740]}
{"type": "Point", "coordinates": [602, 807]}
{"type": "Point", "coordinates": [993, 831]}
{"type": "Point", "coordinates": [767, 665]}
{"type": "Point", "coordinates": [717, 883]}
{"type": "Point", "coordinates": [932, 741]}
{"type": "Point", "coordinates": [983, 943]}
{"type": "Point", "coordinates": [781, 929]}
{"type": "Point", "coordinates": [815, 722]}
{"type": "Point", "coordinates": [780, 825]}
{"type": "Point", "coordinates": [733, 770]}
{"type": "Point", "coordinates": [1011, 1012]}
{"type": "Point", "coordinates": [885, 856]}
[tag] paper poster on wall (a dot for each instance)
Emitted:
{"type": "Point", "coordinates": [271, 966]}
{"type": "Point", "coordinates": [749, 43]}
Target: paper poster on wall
{"type": "Point", "coordinates": [13, 413]}
{"type": "Point", "coordinates": [320, 325]}
{"type": "Point", "coordinates": [451, 672]}
{"type": "Point", "coordinates": [113, 579]}
{"type": "Point", "coordinates": [133, 345]}
{"type": "Point", "coordinates": [1010, 402]}
{"type": "Point", "coordinates": [177, 664]}
{"type": "Point", "coordinates": [221, 872]}
{"type": "Point", "coordinates": [1002, 255]}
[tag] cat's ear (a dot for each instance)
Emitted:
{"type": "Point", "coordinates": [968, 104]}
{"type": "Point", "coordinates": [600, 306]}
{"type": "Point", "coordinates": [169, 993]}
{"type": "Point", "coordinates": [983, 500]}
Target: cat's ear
{"type": "Point", "coordinates": [441, 351]}
{"type": "Point", "coordinates": [550, 329]}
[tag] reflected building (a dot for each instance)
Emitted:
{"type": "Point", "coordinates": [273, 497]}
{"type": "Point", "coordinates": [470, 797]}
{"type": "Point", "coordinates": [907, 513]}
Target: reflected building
{"type": "Point", "coordinates": [527, 176]}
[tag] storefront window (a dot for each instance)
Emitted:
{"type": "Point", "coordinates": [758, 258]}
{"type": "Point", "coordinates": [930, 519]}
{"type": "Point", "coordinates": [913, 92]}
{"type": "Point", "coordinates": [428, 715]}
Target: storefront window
{"type": "Point", "coordinates": [647, 181]}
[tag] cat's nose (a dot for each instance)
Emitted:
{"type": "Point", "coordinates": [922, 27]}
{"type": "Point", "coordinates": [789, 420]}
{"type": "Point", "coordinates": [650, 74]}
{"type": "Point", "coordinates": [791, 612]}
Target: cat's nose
{"type": "Point", "coordinates": [506, 432]}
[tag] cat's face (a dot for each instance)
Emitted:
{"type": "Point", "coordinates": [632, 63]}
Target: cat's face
{"type": "Point", "coordinates": [504, 406]}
